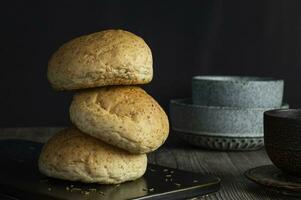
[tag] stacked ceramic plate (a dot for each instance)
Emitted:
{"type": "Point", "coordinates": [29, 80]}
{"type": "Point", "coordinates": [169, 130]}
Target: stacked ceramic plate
{"type": "Point", "coordinates": [226, 112]}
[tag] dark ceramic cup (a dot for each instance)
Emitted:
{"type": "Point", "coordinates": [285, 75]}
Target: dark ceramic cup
{"type": "Point", "coordinates": [237, 91]}
{"type": "Point", "coordinates": [282, 139]}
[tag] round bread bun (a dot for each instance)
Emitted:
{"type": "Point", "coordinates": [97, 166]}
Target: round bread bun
{"type": "Point", "coordinates": [110, 57]}
{"type": "Point", "coordinates": [72, 155]}
{"type": "Point", "coordinates": [123, 116]}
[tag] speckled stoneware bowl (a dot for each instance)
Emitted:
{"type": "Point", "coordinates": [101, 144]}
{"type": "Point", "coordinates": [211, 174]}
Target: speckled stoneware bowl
{"type": "Point", "coordinates": [282, 134]}
{"type": "Point", "coordinates": [218, 127]}
{"type": "Point", "coordinates": [237, 91]}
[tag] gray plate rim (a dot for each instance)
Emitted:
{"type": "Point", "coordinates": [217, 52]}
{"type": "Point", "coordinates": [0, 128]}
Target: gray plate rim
{"type": "Point", "coordinates": [187, 102]}
{"type": "Point", "coordinates": [217, 136]}
{"type": "Point", "coordinates": [212, 134]}
{"type": "Point", "coordinates": [234, 79]}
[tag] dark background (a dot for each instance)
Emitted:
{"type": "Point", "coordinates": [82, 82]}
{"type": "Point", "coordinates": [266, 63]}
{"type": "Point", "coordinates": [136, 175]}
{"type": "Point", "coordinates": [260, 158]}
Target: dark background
{"type": "Point", "coordinates": [187, 38]}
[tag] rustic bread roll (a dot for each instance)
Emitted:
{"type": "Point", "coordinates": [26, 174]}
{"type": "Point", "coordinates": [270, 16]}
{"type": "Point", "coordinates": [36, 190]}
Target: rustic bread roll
{"type": "Point", "coordinates": [111, 57]}
{"type": "Point", "coordinates": [123, 116]}
{"type": "Point", "coordinates": [72, 155]}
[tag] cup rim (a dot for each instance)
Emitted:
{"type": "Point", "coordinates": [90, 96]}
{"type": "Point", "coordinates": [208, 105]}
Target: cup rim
{"type": "Point", "coordinates": [285, 114]}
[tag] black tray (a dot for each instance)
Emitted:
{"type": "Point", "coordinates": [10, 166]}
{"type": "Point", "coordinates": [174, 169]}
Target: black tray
{"type": "Point", "coordinates": [20, 179]}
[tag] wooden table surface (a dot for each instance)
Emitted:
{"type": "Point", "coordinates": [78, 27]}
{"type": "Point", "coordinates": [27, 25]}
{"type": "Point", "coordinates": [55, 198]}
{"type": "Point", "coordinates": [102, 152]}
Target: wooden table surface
{"type": "Point", "coordinates": [229, 166]}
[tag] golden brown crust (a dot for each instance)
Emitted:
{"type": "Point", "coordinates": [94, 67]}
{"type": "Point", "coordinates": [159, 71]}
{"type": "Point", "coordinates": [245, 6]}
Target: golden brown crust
{"type": "Point", "coordinates": [124, 116]}
{"type": "Point", "coordinates": [111, 57]}
{"type": "Point", "coordinates": [72, 155]}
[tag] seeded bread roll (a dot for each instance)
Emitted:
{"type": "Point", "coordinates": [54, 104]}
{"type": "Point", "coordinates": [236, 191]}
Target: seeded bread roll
{"type": "Point", "coordinates": [111, 57]}
{"type": "Point", "coordinates": [72, 155]}
{"type": "Point", "coordinates": [123, 116]}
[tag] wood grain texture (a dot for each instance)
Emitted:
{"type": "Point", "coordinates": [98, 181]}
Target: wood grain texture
{"type": "Point", "coordinates": [230, 166]}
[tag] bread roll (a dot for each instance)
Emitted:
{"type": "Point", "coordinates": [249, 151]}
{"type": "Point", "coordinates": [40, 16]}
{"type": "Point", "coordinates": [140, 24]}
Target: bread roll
{"type": "Point", "coordinates": [72, 155]}
{"type": "Point", "coordinates": [111, 57]}
{"type": "Point", "coordinates": [123, 116]}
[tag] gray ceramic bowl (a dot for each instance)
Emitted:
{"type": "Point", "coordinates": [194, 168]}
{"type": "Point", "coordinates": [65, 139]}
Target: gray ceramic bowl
{"type": "Point", "coordinates": [216, 121]}
{"type": "Point", "coordinates": [282, 129]}
{"type": "Point", "coordinates": [237, 91]}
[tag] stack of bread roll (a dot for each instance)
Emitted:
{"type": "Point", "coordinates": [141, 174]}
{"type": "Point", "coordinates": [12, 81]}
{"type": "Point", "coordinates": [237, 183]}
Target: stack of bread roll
{"type": "Point", "coordinates": [115, 122]}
